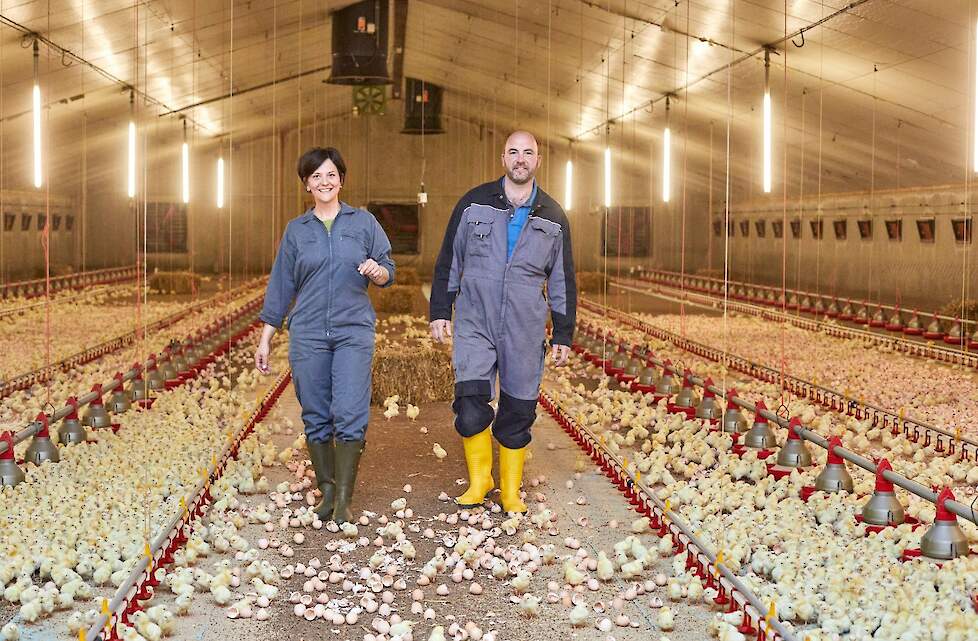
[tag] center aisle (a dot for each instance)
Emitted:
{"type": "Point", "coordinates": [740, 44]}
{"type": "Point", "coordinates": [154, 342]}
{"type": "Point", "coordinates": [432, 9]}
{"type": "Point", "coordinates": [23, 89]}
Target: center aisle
{"type": "Point", "coordinates": [399, 453]}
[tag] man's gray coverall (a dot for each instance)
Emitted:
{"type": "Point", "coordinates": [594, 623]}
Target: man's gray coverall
{"type": "Point", "coordinates": [501, 308]}
{"type": "Point", "coordinates": [331, 325]}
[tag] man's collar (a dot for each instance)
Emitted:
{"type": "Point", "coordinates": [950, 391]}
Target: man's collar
{"type": "Point", "coordinates": [501, 184]}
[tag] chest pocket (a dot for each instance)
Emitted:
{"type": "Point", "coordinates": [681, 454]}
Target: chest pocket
{"type": "Point", "coordinates": [353, 248]}
{"type": "Point", "coordinates": [478, 240]}
{"type": "Point", "coordinates": [541, 239]}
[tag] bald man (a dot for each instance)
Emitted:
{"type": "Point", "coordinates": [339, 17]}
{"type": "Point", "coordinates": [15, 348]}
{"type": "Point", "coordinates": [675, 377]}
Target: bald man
{"type": "Point", "coordinates": [505, 260]}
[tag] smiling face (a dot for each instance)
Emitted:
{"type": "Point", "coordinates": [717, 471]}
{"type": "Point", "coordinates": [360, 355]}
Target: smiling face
{"type": "Point", "coordinates": [520, 157]}
{"type": "Point", "coordinates": [324, 184]}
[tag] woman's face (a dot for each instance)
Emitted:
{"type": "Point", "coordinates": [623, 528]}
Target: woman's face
{"type": "Point", "coordinates": [324, 184]}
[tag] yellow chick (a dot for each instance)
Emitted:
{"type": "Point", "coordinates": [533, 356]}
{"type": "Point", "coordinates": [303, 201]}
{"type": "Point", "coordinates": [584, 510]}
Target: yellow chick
{"type": "Point", "coordinates": [439, 451]}
{"type": "Point", "coordinates": [572, 575]}
{"type": "Point", "coordinates": [391, 411]}
{"type": "Point", "coordinates": [606, 568]}
{"type": "Point", "coordinates": [412, 411]}
{"type": "Point", "coordinates": [579, 615]}
{"type": "Point", "coordinates": [529, 605]}
{"type": "Point", "coordinates": [664, 619]}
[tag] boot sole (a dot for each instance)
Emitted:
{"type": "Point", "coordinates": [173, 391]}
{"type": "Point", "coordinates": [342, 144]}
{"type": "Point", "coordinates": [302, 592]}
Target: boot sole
{"type": "Point", "coordinates": [479, 504]}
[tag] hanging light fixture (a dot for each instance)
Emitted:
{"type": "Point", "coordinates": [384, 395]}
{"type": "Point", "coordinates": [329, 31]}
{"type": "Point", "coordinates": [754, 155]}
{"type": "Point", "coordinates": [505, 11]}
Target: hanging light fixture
{"type": "Point", "coordinates": [767, 122]}
{"type": "Point", "coordinates": [131, 166]}
{"type": "Point", "coordinates": [568, 185]}
{"type": "Point", "coordinates": [666, 157]}
{"type": "Point", "coordinates": [607, 176]}
{"type": "Point", "coordinates": [185, 166]}
{"type": "Point", "coordinates": [220, 182]}
{"type": "Point", "coordinates": [36, 109]}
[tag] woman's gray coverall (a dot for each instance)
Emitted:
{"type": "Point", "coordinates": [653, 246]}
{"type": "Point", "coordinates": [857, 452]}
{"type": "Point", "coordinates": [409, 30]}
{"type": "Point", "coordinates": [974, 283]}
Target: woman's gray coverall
{"type": "Point", "coordinates": [499, 307]}
{"type": "Point", "coordinates": [331, 325]}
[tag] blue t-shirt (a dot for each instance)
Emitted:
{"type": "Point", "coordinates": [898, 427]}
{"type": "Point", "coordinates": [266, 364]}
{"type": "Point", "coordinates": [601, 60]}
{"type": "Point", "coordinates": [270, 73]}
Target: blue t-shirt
{"type": "Point", "coordinates": [517, 222]}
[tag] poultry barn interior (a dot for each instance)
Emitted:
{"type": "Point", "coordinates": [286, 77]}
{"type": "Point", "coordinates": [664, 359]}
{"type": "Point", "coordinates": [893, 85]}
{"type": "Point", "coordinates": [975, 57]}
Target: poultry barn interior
{"type": "Point", "coordinates": [767, 425]}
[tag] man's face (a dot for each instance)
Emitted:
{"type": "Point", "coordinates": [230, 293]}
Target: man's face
{"type": "Point", "coordinates": [520, 158]}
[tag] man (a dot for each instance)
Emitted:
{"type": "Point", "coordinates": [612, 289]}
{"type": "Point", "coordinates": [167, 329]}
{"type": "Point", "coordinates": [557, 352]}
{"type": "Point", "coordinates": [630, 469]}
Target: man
{"type": "Point", "coordinates": [506, 239]}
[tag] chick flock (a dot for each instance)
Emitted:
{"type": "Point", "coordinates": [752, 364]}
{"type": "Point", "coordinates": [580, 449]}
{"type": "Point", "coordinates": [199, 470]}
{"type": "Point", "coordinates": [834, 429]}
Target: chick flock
{"type": "Point", "coordinates": [74, 530]}
{"type": "Point", "coordinates": [939, 394]}
{"type": "Point", "coordinates": [22, 406]}
{"type": "Point", "coordinates": [826, 575]}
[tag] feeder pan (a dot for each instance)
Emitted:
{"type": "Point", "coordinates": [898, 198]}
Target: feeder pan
{"type": "Point", "coordinates": [913, 327]}
{"type": "Point", "coordinates": [667, 384]}
{"type": "Point", "coordinates": [154, 378]}
{"type": "Point", "coordinates": [877, 319]}
{"type": "Point", "coordinates": [883, 508]}
{"type": "Point", "coordinates": [632, 370]}
{"type": "Point", "coordinates": [734, 420]}
{"type": "Point", "coordinates": [10, 474]}
{"type": "Point", "coordinates": [177, 357]}
{"type": "Point", "coordinates": [95, 416]}
{"type": "Point", "coordinates": [686, 398]}
{"type": "Point", "coordinates": [708, 408]}
{"type": "Point", "coordinates": [846, 314]}
{"type": "Point", "coordinates": [944, 540]}
{"type": "Point", "coordinates": [760, 436]}
{"type": "Point", "coordinates": [121, 399]}
{"type": "Point", "coordinates": [770, 297]}
{"type": "Point", "coordinates": [647, 379]}
{"type": "Point", "coordinates": [819, 307]}
{"type": "Point", "coordinates": [834, 477]}
{"type": "Point", "coordinates": [139, 390]}
{"type": "Point", "coordinates": [833, 310]}
{"type": "Point", "coordinates": [862, 316]}
{"type": "Point", "coordinates": [954, 334]}
{"type": "Point", "coordinates": [794, 452]}
{"type": "Point", "coordinates": [934, 330]}
{"type": "Point", "coordinates": [71, 430]}
{"type": "Point", "coordinates": [806, 304]}
{"type": "Point", "coordinates": [168, 371]}
{"type": "Point", "coordinates": [793, 301]}
{"type": "Point", "coordinates": [973, 341]}
{"type": "Point", "coordinates": [42, 448]}
{"type": "Point", "coordinates": [895, 324]}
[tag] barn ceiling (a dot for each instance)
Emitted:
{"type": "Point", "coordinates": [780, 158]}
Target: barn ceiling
{"type": "Point", "coordinates": [879, 94]}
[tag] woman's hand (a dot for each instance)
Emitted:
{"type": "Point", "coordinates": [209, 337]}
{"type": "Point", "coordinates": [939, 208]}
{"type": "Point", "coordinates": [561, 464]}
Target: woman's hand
{"type": "Point", "coordinates": [264, 347]}
{"type": "Point", "coordinates": [261, 356]}
{"type": "Point", "coordinates": [378, 275]}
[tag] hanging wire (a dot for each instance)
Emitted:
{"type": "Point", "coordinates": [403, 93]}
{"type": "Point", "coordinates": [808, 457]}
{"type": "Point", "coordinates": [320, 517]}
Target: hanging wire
{"type": "Point", "coordinates": [872, 194]}
{"type": "Point", "coordinates": [682, 242]}
{"type": "Point", "coordinates": [968, 224]}
{"type": "Point", "coordinates": [46, 233]}
{"type": "Point", "coordinates": [784, 201]}
{"type": "Point", "coordinates": [726, 199]}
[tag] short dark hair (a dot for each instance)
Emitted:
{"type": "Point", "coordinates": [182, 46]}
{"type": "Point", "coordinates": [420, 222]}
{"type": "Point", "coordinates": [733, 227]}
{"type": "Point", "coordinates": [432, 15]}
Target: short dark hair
{"type": "Point", "coordinates": [310, 161]}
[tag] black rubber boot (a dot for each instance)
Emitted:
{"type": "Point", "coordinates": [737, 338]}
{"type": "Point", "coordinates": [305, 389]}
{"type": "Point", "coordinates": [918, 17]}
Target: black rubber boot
{"type": "Point", "coordinates": [323, 460]}
{"type": "Point", "coordinates": [347, 462]}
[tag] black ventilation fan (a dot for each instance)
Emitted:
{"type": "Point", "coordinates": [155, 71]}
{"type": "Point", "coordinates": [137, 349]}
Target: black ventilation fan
{"type": "Point", "coordinates": [360, 44]}
{"type": "Point", "coordinates": [422, 108]}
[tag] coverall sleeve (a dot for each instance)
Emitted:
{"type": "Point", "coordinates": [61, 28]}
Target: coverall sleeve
{"type": "Point", "coordinates": [562, 290]}
{"type": "Point", "coordinates": [281, 284]}
{"type": "Point", "coordinates": [380, 251]}
{"type": "Point", "coordinates": [448, 267]}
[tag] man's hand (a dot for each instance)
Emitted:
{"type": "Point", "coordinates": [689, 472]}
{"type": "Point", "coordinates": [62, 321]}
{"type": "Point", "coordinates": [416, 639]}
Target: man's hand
{"type": "Point", "coordinates": [441, 329]}
{"type": "Point", "coordinates": [378, 275]}
{"type": "Point", "coordinates": [560, 354]}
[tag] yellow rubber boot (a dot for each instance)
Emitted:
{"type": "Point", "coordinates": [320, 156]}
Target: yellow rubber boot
{"type": "Point", "coordinates": [511, 478]}
{"type": "Point", "coordinates": [478, 458]}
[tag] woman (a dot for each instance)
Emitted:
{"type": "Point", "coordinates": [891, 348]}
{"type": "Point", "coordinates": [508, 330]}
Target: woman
{"type": "Point", "coordinates": [327, 258]}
